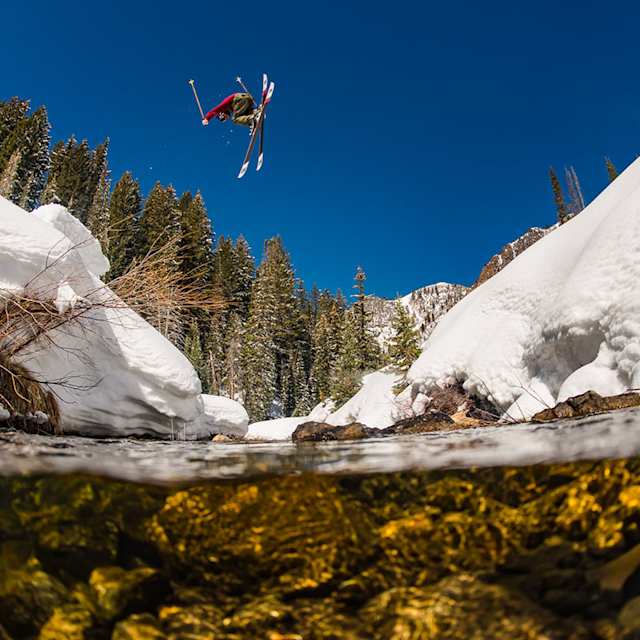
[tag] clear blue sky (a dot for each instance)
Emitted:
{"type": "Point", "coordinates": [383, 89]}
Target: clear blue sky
{"type": "Point", "coordinates": [412, 138]}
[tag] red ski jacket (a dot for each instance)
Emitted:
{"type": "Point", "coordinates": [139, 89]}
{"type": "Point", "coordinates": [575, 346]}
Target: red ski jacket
{"type": "Point", "coordinates": [223, 107]}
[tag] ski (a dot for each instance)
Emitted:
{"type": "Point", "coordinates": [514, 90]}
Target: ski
{"type": "Point", "coordinates": [266, 100]}
{"type": "Point", "coordinates": [258, 128]}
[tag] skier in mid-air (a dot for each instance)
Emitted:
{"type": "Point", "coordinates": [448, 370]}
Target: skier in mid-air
{"type": "Point", "coordinates": [240, 107]}
{"type": "Point", "coordinates": [243, 110]}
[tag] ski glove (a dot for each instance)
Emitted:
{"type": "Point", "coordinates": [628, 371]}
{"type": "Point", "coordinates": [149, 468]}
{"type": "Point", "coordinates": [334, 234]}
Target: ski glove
{"type": "Point", "coordinates": [205, 122]}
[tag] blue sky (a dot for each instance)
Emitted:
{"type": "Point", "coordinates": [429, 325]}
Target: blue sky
{"type": "Point", "coordinates": [411, 138]}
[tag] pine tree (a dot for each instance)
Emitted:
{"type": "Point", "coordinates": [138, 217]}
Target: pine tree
{"type": "Point", "coordinates": [124, 213]}
{"type": "Point", "coordinates": [404, 347]}
{"type": "Point", "coordinates": [98, 218]}
{"type": "Point", "coordinates": [368, 350]}
{"type": "Point", "coordinates": [347, 373]}
{"type": "Point", "coordinates": [232, 382]}
{"type": "Point", "coordinates": [160, 221]}
{"type": "Point", "coordinates": [244, 273]}
{"type": "Point", "coordinates": [612, 172]}
{"type": "Point", "coordinates": [215, 356]}
{"type": "Point", "coordinates": [558, 197]}
{"type": "Point", "coordinates": [24, 160]}
{"type": "Point", "coordinates": [12, 112]}
{"type": "Point", "coordinates": [193, 350]}
{"type": "Point", "coordinates": [259, 365]}
{"type": "Point", "coordinates": [196, 240]}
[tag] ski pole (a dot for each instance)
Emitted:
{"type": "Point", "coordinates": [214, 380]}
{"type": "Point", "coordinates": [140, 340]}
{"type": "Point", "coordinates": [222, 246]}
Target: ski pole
{"type": "Point", "coordinates": [195, 95]}
{"type": "Point", "coordinates": [242, 84]}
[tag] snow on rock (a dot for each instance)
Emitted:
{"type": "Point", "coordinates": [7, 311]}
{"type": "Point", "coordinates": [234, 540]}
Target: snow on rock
{"type": "Point", "coordinates": [375, 403]}
{"type": "Point", "coordinates": [113, 373]}
{"type": "Point", "coordinates": [222, 415]}
{"type": "Point", "coordinates": [4, 414]}
{"type": "Point", "coordinates": [561, 318]}
{"type": "Point", "coordinates": [278, 429]}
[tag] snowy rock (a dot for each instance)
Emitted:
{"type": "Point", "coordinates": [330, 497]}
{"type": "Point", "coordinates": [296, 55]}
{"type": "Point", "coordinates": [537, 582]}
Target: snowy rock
{"type": "Point", "coordinates": [113, 373]}
{"type": "Point", "coordinates": [221, 416]}
{"type": "Point", "coordinates": [558, 320]}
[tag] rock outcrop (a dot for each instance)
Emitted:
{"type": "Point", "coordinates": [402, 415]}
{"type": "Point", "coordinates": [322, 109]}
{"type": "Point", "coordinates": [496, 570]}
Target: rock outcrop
{"type": "Point", "coordinates": [509, 252]}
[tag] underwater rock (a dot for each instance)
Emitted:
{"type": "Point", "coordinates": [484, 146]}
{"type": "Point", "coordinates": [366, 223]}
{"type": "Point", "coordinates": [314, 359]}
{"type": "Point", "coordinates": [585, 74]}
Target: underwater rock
{"type": "Point", "coordinates": [116, 591]}
{"type": "Point", "coordinates": [71, 622]}
{"type": "Point", "coordinates": [199, 621]}
{"type": "Point", "coordinates": [252, 536]}
{"type": "Point", "coordinates": [28, 597]}
{"type": "Point", "coordinates": [140, 626]}
{"type": "Point", "coordinates": [463, 606]}
{"type": "Point", "coordinates": [587, 403]}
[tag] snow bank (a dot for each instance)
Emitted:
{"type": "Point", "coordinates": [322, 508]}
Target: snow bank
{"type": "Point", "coordinates": [374, 405]}
{"type": "Point", "coordinates": [113, 373]}
{"type": "Point", "coordinates": [278, 429]}
{"type": "Point", "coordinates": [222, 415]}
{"type": "Point", "coordinates": [563, 317]}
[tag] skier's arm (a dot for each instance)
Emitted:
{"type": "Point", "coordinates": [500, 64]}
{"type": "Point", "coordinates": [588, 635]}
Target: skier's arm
{"type": "Point", "coordinates": [223, 107]}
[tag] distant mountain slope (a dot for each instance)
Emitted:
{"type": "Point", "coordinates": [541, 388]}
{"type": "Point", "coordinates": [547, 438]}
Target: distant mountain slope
{"type": "Point", "coordinates": [427, 305]}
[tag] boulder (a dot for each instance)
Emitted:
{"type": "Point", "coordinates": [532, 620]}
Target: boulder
{"type": "Point", "coordinates": [71, 622]}
{"type": "Point", "coordinates": [141, 626]}
{"type": "Point", "coordinates": [321, 431]}
{"type": "Point", "coordinates": [425, 423]}
{"type": "Point", "coordinates": [586, 404]}
{"type": "Point", "coordinates": [117, 591]}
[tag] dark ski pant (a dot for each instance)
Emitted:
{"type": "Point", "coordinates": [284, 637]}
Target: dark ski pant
{"type": "Point", "coordinates": [242, 109]}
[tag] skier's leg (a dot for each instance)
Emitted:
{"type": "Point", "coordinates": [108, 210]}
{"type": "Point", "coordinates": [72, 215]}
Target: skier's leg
{"type": "Point", "coordinates": [242, 109]}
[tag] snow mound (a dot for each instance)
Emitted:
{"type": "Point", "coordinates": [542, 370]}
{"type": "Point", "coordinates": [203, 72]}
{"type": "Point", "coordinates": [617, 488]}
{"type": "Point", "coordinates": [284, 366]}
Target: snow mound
{"type": "Point", "coordinates": [375, 403]}
{"type": "Point", "coordinates": [222, 415]}
{"type": "Point", "coordinates": [83, 242]}
{"type": "Point", "coordinates": [113, 373]}
{"type": "Point", "coordinates": [563, 317]}
{"type": "Point", "coordinates": [278, 429]}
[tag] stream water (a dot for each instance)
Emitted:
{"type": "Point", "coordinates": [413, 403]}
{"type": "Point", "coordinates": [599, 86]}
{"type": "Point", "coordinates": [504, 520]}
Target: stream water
{"type": "Point", "coordinates": [526, 531]}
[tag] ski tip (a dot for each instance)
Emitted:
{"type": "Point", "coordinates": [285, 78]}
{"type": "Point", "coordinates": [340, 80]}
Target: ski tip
{"type": "Point", "coordinates": [245, 166]}
{"type": "Point", "coordinates": [260, 161]}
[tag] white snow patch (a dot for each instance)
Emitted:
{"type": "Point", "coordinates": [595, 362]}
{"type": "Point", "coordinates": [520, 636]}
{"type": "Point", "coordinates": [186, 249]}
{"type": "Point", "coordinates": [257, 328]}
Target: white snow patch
{"type": "Point", "coordinates": [82, 240]}
{"type": "Point", "coordinates": [560, 319]}
{"type": "Point", "coordinates": [4, 414]}
{"type": "Point", "coordinates": [279, 429]}
{"type": "Point", "coordinates": [222, 415]}
{"type": "Point", "coordinates": [374, 405]}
